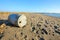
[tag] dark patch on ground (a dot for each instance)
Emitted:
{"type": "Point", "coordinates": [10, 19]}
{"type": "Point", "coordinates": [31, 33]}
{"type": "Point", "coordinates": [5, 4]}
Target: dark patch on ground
{"type": "Point", "coordinates": [55, 27]}
{"type": "Point", "coordinates": [7, 23]}
{"type": "Point", "coordinates": [38, 25]}
{"type": "Point", "coordinates": [41, 39]}
{"type": "Point", "coordinates": [57, 32]}
{"type": "Point", "coordinates": [44, 31]}
{"type": "Point", "coordinates": [46, 22]}
{"type": "Point", "coordinates": [45, 25]}
{"type": "Point", "coordinates": [33, 28]}
{"type": "Point", "coordinates": [32, 39]}
{"type": "Point", "coordinates": [1, 35]}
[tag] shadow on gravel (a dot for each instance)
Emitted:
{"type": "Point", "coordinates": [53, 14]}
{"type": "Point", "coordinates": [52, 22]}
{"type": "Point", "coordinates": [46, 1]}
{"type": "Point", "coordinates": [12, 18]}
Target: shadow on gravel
{"type": "Point", "coordinates": [7, 23]}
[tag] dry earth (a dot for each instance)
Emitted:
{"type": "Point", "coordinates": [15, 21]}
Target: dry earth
{"type": "Point", "coordinates": [39, 27]}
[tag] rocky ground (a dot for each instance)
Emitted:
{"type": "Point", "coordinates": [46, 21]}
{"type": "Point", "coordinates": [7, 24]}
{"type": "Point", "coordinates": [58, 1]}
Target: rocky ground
{"type": "Point", "coordinates": [38, 27]}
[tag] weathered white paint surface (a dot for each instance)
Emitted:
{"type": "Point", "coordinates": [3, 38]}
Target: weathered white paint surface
{"type": "Point", "coordinates": [18, 20]}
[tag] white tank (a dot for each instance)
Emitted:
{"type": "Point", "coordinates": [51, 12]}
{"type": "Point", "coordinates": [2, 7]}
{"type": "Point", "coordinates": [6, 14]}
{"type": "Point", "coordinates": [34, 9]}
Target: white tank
{"type": "Point", "coordinates": [18, 19]}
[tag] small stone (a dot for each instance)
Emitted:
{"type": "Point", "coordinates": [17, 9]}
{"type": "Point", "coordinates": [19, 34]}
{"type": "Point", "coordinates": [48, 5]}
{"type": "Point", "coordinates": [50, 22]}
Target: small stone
{"type": "Point", "coordinates": [50, 25]}
{"type": "Point", "coordinates": [44, 31]}
{"type": "Point", "coordinates": [21, 33]}
{"type": "Point", "coordinates": [15, 35]}
{"type": "Point", "coordinates": [25, 36]}
{"type": "Point", "coordinates": [49, 33]}
{"type": "Point", "coordinates": [38, 24]}
{"type": "Point", "coordinates": [32, 39]}
{"type": "Point", "coordinates": [46, 21]}
{"type": "Point", "coordinates": [45, 25]}
{"type": "Point", "coordinates": [57, 31]}
{"type": "Point", "coordinates": [37, 32]}
{"type": "Point", "coordinates": [53, 34]}
{"type": "Point", "coordinates": [2, 26]}
{"type": "Point", "coordinates": [34, 31]}
{"type": "Point", "coordinates": [2, 30]}
{"type": "Point", "coordinates": [41, 39]}
{"type": "Point", "coordinates": [33, 28]}
{"type": "Point", "coordinates": [41, 18]}
{"type": "Point", "coordinates": [38, 36]}
{"type": "Point", "coordinates": [55, 27]}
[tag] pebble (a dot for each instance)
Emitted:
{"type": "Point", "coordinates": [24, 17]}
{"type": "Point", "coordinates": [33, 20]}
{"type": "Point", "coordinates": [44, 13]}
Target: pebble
{"type": "Point", "coordinates": [57, 32]}
{"type": "Point", "coordinates": [25, 36]}
{"type": "Point", "coordinates": [38, 24]}
{"type": "Point", "coordinates": [46, 22]}
{"type": "Point", "coordinates": [2, 26]}
{"type": "Point", "coordinates": [2, 30]}
{"type": "Point", "coordinates": [37, 32]}
{"type": "Point", "coordinates": [41, 39]}
{"type": "Point", "coordinates": [33, 28]}
{"type": "Point", "coordinates": [55, 27]}
{"type": "Point", "coordinates": [45, 25]}
{"type": "Point", "coordinates": [44, 30]}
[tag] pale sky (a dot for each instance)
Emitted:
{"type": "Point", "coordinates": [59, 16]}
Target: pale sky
{"type": "Point", "coordinates": [50, 6]}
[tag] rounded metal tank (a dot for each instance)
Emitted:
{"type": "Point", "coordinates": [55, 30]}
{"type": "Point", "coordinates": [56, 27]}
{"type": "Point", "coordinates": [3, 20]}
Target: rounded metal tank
{"type": "Point", "coordinates": [18, 19]}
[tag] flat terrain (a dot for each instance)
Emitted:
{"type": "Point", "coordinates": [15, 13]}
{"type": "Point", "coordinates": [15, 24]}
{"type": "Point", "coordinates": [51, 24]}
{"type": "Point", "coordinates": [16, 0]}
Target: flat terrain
{"type": "Point", "coordinates": [38, 27]}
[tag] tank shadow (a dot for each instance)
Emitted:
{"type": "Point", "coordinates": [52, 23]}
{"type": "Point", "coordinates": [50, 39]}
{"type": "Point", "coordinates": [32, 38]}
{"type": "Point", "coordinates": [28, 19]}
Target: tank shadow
{"type": "Point", "coordinates": [7, 23]}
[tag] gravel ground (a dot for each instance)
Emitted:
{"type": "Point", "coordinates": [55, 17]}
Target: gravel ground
{"type": "Point", "coordinates": [38, 27]}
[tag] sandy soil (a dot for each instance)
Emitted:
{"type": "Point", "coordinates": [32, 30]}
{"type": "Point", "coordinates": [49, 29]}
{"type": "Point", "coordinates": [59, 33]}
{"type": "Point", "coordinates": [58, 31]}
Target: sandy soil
{"type": "Point", "coordinates": [39, 27]}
